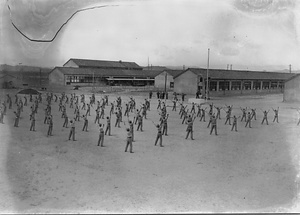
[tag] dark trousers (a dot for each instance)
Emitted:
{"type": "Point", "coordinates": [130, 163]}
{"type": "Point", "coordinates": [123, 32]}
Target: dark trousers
{"type": "Point", "coordinates": [101, 139]}
{"type": "Point", "coordinates": [234, 125]}
{"type": "Point", "coordinates": [213, 127]}
{"type": "Point", "coordinates": [108, 129]}
{"type": "Point", "coordinates": [158, 137]}
{"type": "Point", "coordinates": [140, 126]}
{"type": "Point", "coordinates": [129, 143]}
{"type": "Point", "coordinates": [248, 123]}
{"type": "Point", "coordinates": [65, 123]}
{"type": "Point", "coordinates": [72, 133]}
{"type": "Point", "coordinates": [16, 122]}
{"type": "Point", "coordinates": [165, 130]}
{"type": "Point", "coordinates": [50, 130]}
{"type": "Point", "coordinates": [265, 119]}
{"type": "Point", "coordinates": [85, 126]}
{"type": "Point", "coordinates": [227, 120]}
{"type": "Point", "coordinates": [275, 118]}
{"type": "Point", "coordinates": [189, 132]}
{"type": "Point", "coordinates": [32, 127]}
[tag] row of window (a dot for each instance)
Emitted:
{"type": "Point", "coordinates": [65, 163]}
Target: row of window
{"type": "Point", "coordinates": [89, 79]}
{"type": "Point", "coordinates": [245, 85]}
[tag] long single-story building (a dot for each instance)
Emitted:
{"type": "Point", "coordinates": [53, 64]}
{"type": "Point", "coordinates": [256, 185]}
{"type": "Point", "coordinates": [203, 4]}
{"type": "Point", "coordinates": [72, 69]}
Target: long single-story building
{"type": "Point", "coordinates": [101, 77]}
{"type": "Point", "coordinates": [292, 89]}
{"type": "Point", "coordinates": [229, 82]}
{"type": "Point", "coordinates": [166, 78]}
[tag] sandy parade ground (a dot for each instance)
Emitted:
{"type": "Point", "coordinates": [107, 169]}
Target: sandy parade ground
{"type": "Point", "coordinates": [253, 170]}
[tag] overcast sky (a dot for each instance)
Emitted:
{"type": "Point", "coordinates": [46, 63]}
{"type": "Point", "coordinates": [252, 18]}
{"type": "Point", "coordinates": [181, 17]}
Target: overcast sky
{"type": "Point", "coordinates": [261, 34]}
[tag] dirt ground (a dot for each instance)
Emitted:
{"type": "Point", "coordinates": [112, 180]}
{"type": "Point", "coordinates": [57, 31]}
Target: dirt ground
{"type": "Point", "coordinates": [253, 170]}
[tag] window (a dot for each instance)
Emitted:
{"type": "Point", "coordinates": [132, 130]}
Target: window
{"type": "Point", "coordinates": [247, 85]}
{"type": "Point", "coordinates": [265, 85]}
{"type": "Point", "coordinates": [224, 85]}
{"type": "Point", "coordinates": [235, 85]}
{"type": "Point", "coordinates": [256, 85]}
{"type": "Point", "coordinates": [274, 84]}
{"type": "Point", "coordinates": [213, 86]}
{"type": "Point", "coordinates": [281, 85]}
{"type": "Point", "coordinates": [171, 84]}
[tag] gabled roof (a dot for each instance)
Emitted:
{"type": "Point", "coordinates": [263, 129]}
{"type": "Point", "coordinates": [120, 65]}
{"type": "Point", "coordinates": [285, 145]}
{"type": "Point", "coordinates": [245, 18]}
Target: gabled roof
{"type": "Point", "coordinates": [104, 63]}
{"type": "Point", "coordinates": [107, 72]}
{"type": "Point", "coordinates": [239, 74]}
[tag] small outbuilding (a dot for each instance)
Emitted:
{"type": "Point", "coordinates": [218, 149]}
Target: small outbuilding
{"type": "Point", "coordinates": [292, 89]}
{"type": "Point", "coordinates": [166, 78]}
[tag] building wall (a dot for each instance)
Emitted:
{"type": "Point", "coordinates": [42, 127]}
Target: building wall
{"type": "Point", "coordinates": [292, 90]}
{"type": "Point", "coordinates": [160, 80]}
{"type": "Point", "coordinates": [186, 83]}
{"type": "Point", "coordinates": [56, 77]}
{"type": "Point", "coordinates": [71, 64]}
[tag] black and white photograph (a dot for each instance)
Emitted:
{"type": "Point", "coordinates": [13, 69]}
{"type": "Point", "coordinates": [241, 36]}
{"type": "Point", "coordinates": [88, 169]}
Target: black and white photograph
{"type": "Point", "coordinates": [149, 106]}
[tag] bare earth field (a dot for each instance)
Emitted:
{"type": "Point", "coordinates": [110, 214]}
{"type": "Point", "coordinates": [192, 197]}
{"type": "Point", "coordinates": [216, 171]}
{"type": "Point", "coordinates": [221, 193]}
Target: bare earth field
{"type": "Point", "coordinates": [253, 170]}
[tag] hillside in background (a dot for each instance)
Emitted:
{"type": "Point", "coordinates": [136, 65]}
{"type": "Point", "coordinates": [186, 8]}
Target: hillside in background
{"type": "Point", "coordinates": [21, 68]}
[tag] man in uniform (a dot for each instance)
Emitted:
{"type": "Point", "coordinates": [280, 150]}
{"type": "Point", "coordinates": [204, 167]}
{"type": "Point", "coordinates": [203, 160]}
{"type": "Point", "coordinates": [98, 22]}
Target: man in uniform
{"type": "Point", "coordinates": [276, 114]}
{"type": "Point", "coordinates": [265, 117]}
{"type": "Point", "coordinates": [248, 122]}
{"type": "Point", "coordinates": [189, 129]}
{"type": "Point", "coordinates": [101, 135]}
{"type": "Point", "coordinates": [32, 118]}
{"type": "Point", "coordinates": [159, 135]}
{"type": "Point", "coordinates": [129, 140]}
{"type": "Point", "coordinates": [50, 128]}
{"type": "Point", "coordinates": [85, 125]}
{"type": "Point", "coordinates": [213, 124]}
{"type": "Point", "coordinates": [108, 126]}
{"type": "Point", "coordinates": [72, 130]}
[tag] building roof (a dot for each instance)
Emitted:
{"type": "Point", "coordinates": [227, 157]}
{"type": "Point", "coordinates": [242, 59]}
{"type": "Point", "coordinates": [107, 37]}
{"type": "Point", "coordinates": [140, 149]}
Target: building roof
{"type": "Point", "coordinates": [107, 72]}
{"type": "Point", "coordinates": [295, 76]}
{"type": "Point", "coordinates": [104, 64]}
{"type": "Point", "coordinates": [239, 74]}
{"type": "Point", "coordinates": [174, 72]}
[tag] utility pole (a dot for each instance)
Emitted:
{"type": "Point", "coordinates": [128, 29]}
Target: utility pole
{"type": "Point", "coordinates": [290, 66]}
{"type": "Point", "coordinates": [206, 97]}
{"type": "Point", "coordinates": [40, 77]}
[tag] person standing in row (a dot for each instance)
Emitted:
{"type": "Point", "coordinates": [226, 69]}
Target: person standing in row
{"type": "Point", "coordinates": [72, 130]}
{"type": "Point", "coordinates": [101, 135]}
{"type": "Point", "coordinates": [234, 123]}
{"type": "Point", "coordinates": [32, 118]}
{"type": "Point", "coordinates": [140, 123]}
{"type": "Point", "coordinates": [248, 122]}
{"type": "Point", "coordinates": [189, 129]}
{"type": "Point", "coordinates": [129, 140]}
{"type": "Point", "coordinates": [265, 117]}
{"type": "Point", "coordinates": [276, 114]}
{"type": "Point", "coordinates": [85, 125]}
{"type": "Point", "coordinates": [108, 126]}
{"type": "Point", "coordinates": [159, 135]}
{"type": "Point", "coordinates": [244, 113]}
{"type": "Point", "coordinates": [50, 128]}
{"type": "Point", "coordinates": [164, 123]}
{"type": "Point", "coordinates": [213, 124]}
{"type": "Point", "coordinates": [66, 121]}
{"type": "Point", "coordinates": [17, 118]}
